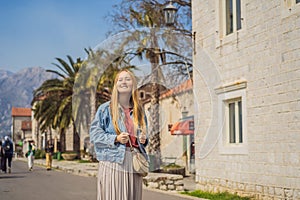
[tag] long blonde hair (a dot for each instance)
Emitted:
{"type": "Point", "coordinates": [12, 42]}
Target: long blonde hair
{"type": "Point", "coordinates": [138, 111]}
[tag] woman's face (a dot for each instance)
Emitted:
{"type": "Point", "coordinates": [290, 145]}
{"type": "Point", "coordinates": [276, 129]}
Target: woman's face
{"type": "Point", "coordinates": [124, 83]}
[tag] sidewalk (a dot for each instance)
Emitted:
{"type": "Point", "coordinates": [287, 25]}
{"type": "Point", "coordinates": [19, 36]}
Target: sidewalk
{"type": "Point", "coordinates": [91, 170]}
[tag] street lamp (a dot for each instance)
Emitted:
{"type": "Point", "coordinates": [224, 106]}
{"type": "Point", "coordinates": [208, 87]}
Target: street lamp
{"type": "Point", "coordinates": [170, 13]}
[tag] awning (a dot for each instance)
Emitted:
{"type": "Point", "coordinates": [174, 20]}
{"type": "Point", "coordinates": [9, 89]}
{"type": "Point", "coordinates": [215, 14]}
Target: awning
{"type": "Point", "coordinates": [183, 127]}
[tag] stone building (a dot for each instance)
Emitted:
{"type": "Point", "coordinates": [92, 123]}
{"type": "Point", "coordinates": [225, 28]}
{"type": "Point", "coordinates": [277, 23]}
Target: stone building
{"type": "Point", "coordinates": [25, 128]}
{"type": "Point", "coordinates": [247, 86]}
{"type": "Point", "coordinates": [72, 141]}
{"type": "Point", "coordinates": [68, 141]}
{"type": "Point", "coordinates": [176, 111]}
{"type": "Point", "coordinates": [21, 128]}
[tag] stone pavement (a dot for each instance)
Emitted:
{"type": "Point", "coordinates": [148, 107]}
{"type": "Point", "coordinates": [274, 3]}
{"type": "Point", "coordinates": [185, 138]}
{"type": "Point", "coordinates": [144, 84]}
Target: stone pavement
{"type": "Point", "coordinates": [91, 169]}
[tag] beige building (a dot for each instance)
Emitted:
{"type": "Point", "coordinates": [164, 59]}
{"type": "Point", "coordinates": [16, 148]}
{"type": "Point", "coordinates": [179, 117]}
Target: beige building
{"type": "Point", "coordinates": [21, 128]}
{"type": "Point", "coordinates": [176, 124]}
{"type": "Point", "coordinates": [72, 141]}
{"type": "Point", "coordinates": [247, 88]}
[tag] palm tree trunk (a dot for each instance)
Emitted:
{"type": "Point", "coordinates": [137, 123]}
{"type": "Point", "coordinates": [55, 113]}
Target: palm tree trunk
{"type": "Point", "coordinates": [62, 140]}
{"type": "Point", "coordinates": [154, 135]}
{"type": "Point", "coordinates": [93, 103]}
{"type": "Point", "coordinates": [76, 139]}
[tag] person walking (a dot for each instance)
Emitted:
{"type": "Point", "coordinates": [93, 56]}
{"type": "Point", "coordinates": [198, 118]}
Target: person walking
{"type": "Point", "coordinates": [49, 153]}
{"type": "Point", "coordinates": [8, 149]}
{"type": "Point", "coordinates": [1, 156]}
{"type": "Point", "coordinates": [30, 155]}
{"type": "Point", "coordinates": [116, 121]}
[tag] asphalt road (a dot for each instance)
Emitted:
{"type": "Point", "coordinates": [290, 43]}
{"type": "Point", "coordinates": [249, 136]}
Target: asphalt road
{"type": "Point", "coordinates": [55, 185]}
{"type": "Point", "coordinates": [42, 184]}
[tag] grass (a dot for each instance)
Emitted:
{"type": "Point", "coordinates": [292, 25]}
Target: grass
{"type": "Point", "coordinates": [215, 196]}
{"type": "Point", "coordinates": [84, 161]}
{"type": "Point", "coordinates": [172, 166]}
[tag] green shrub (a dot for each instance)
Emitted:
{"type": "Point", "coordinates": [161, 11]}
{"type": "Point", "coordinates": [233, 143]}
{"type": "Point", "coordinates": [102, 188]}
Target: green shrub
{"type": "Point", "coordinates": [54, 155]}
{"type": "Point", "coordinates": [172, 166]}
{"type": "Point", "coordinates": [39, 154]}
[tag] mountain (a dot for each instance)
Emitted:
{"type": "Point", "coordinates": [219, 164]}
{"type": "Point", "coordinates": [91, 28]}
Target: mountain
{"type": "Point", "coordinates": [16, 90]}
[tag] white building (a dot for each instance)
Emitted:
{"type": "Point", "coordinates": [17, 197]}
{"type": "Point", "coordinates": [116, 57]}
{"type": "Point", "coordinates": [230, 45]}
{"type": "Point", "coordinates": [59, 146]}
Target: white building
{"type": "Point", "coordinates": [247, 89]}
{"type": "Point", "coordinates": [176, 125]}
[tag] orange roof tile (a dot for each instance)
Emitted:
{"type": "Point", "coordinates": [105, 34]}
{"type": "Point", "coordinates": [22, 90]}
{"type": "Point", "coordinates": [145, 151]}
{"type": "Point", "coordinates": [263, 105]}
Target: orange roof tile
{"type": "Point", "coordinates": [20, 112]}
{"type": "Point", "coordinates": [185, 86]}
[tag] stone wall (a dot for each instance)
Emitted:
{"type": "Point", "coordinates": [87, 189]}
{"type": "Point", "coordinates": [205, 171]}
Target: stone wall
{"type": "Point", "coordinates": [167, 182]}
{"type": "Point", "coordinates": [264, 55]}
{"type": "Point", "coordinates": [257, 191]}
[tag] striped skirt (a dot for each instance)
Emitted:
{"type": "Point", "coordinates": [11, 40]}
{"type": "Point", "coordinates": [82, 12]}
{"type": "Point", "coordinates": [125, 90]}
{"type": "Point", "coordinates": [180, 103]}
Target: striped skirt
{"type": "Point", "coordinates": [119, 181]}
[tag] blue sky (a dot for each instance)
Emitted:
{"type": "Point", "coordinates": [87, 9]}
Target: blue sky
{"type": "Point", "coordinates": [34, 32]}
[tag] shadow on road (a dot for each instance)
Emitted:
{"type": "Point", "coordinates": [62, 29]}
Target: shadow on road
{"type": "Point", "coordinates": [10, 176]}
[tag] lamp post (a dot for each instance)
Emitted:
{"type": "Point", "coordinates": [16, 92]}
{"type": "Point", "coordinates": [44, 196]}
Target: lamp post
{"type": "Point", "coordinates": [170, 13]}
{"type": "Point", "coordinates": [154, 130]}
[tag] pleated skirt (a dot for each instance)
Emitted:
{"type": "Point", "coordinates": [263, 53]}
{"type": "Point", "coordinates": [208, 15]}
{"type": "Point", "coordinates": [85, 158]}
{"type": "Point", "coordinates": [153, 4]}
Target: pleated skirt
{"type": "Point", "coordinates": [119, 181]}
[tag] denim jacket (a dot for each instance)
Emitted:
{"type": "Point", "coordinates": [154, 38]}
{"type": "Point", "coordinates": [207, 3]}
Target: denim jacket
{"type": "Point", "coordinates": [103, 135]}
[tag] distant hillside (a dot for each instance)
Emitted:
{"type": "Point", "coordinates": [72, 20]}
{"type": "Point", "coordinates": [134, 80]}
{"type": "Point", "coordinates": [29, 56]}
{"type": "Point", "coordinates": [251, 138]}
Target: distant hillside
{"type": "Point", "coordinates": [16, 89]}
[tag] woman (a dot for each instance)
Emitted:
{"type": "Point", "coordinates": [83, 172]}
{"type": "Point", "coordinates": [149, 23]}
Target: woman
{"type": "Point", "coordinates": [115, 122]}
{"type": "Point", "coordinates": [31, 153]}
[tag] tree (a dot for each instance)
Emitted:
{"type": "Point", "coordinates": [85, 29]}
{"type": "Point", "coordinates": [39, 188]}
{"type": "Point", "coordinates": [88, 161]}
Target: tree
{"type": "Point", "coordinates": [54, 100]}
{"type": "Point", "coordinates": [135, 14]}
{"type": "Point", "coordinates": [94, 83]}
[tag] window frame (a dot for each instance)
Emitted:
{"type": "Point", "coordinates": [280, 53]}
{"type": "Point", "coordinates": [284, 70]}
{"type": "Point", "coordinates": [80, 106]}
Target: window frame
{"type": "Point", "coordinates": [289, 7]}
{"type": "Point", "coordinates": [235, 137]}
{"type": "Point", "coordinates": [224, 98]}
{"type": "Point", "coordinates": [221, 38]}
{"type": "Point", "coordinates": [224, 16]}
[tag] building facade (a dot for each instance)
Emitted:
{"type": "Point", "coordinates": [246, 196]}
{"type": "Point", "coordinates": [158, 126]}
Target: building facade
{"type": "Point", "coordinates": [21, 128]}
{"type": "Point", "coordinates": [247, 88]}
{"type": "Point", "coordinates": [176, 107]}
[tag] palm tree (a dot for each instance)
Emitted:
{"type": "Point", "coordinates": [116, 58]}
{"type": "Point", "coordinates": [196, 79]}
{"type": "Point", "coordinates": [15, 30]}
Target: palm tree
{"type": "Point", "coordinates": [139, 13]}
{"type": "Point", "coordinates": [54, 107]}
{"type": "Point", "coordinates": [94, 84]}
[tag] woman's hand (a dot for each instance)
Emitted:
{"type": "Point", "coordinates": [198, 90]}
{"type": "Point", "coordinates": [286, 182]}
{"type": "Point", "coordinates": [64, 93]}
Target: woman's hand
{"type": "Point", "coordinates": [142, 138]}
{"type": "Point", "coordinates": [122, 138]}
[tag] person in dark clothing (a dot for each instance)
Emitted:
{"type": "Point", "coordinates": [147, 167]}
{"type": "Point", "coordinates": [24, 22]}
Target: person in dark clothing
{"type": "Point", "coordinates": [7, 146]}
{"type": "Point", "coordinates": [1, 155]}
{"type": "Point", "coordinates": [49, 152]}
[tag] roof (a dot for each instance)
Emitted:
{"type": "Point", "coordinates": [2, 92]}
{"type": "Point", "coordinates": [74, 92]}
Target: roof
{"type": "Point", "coordinates": [20, 112]}
{"type": "Point", "coordinates": [26, 125]}
{"type": "Point", "coordinates": [184, 87]}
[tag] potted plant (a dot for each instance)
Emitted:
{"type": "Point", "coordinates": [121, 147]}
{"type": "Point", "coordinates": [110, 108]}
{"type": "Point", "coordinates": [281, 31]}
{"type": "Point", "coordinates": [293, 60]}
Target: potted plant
{"type": "Point", "coordinates": [173, 169]}
{"type": "Point", "coordinates": [69, 155]}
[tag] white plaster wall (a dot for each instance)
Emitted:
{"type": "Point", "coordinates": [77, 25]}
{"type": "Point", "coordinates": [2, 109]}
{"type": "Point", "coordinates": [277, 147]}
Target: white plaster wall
{"type": "Point", "coordinates": [171, 112]}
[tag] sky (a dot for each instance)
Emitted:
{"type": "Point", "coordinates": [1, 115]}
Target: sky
{"type": "Point", "coordinates": [34, 32]}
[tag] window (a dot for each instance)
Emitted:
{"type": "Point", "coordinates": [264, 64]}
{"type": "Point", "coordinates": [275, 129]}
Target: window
{"type": "Point", "coordinates": [232, 118]}
{"type": "Point", "coordinates": [234, 121]}
{"type": "Point", "coordinates": [232, 15]}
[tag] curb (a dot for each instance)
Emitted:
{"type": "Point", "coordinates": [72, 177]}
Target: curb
{"type": "Point", "coordinates": [81, 172]}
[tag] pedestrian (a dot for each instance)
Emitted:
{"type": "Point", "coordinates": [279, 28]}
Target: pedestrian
{"type": "Point", "coordinates": [49, 153]}
{"type": "Point", "coordinates": [115, 122]}
{"type": "Point", "coordinates": [30, 155]}
{"type": "Point", "coordinates": [8, 149]}
{"type": "Point", "coordinates": [1, 156]}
